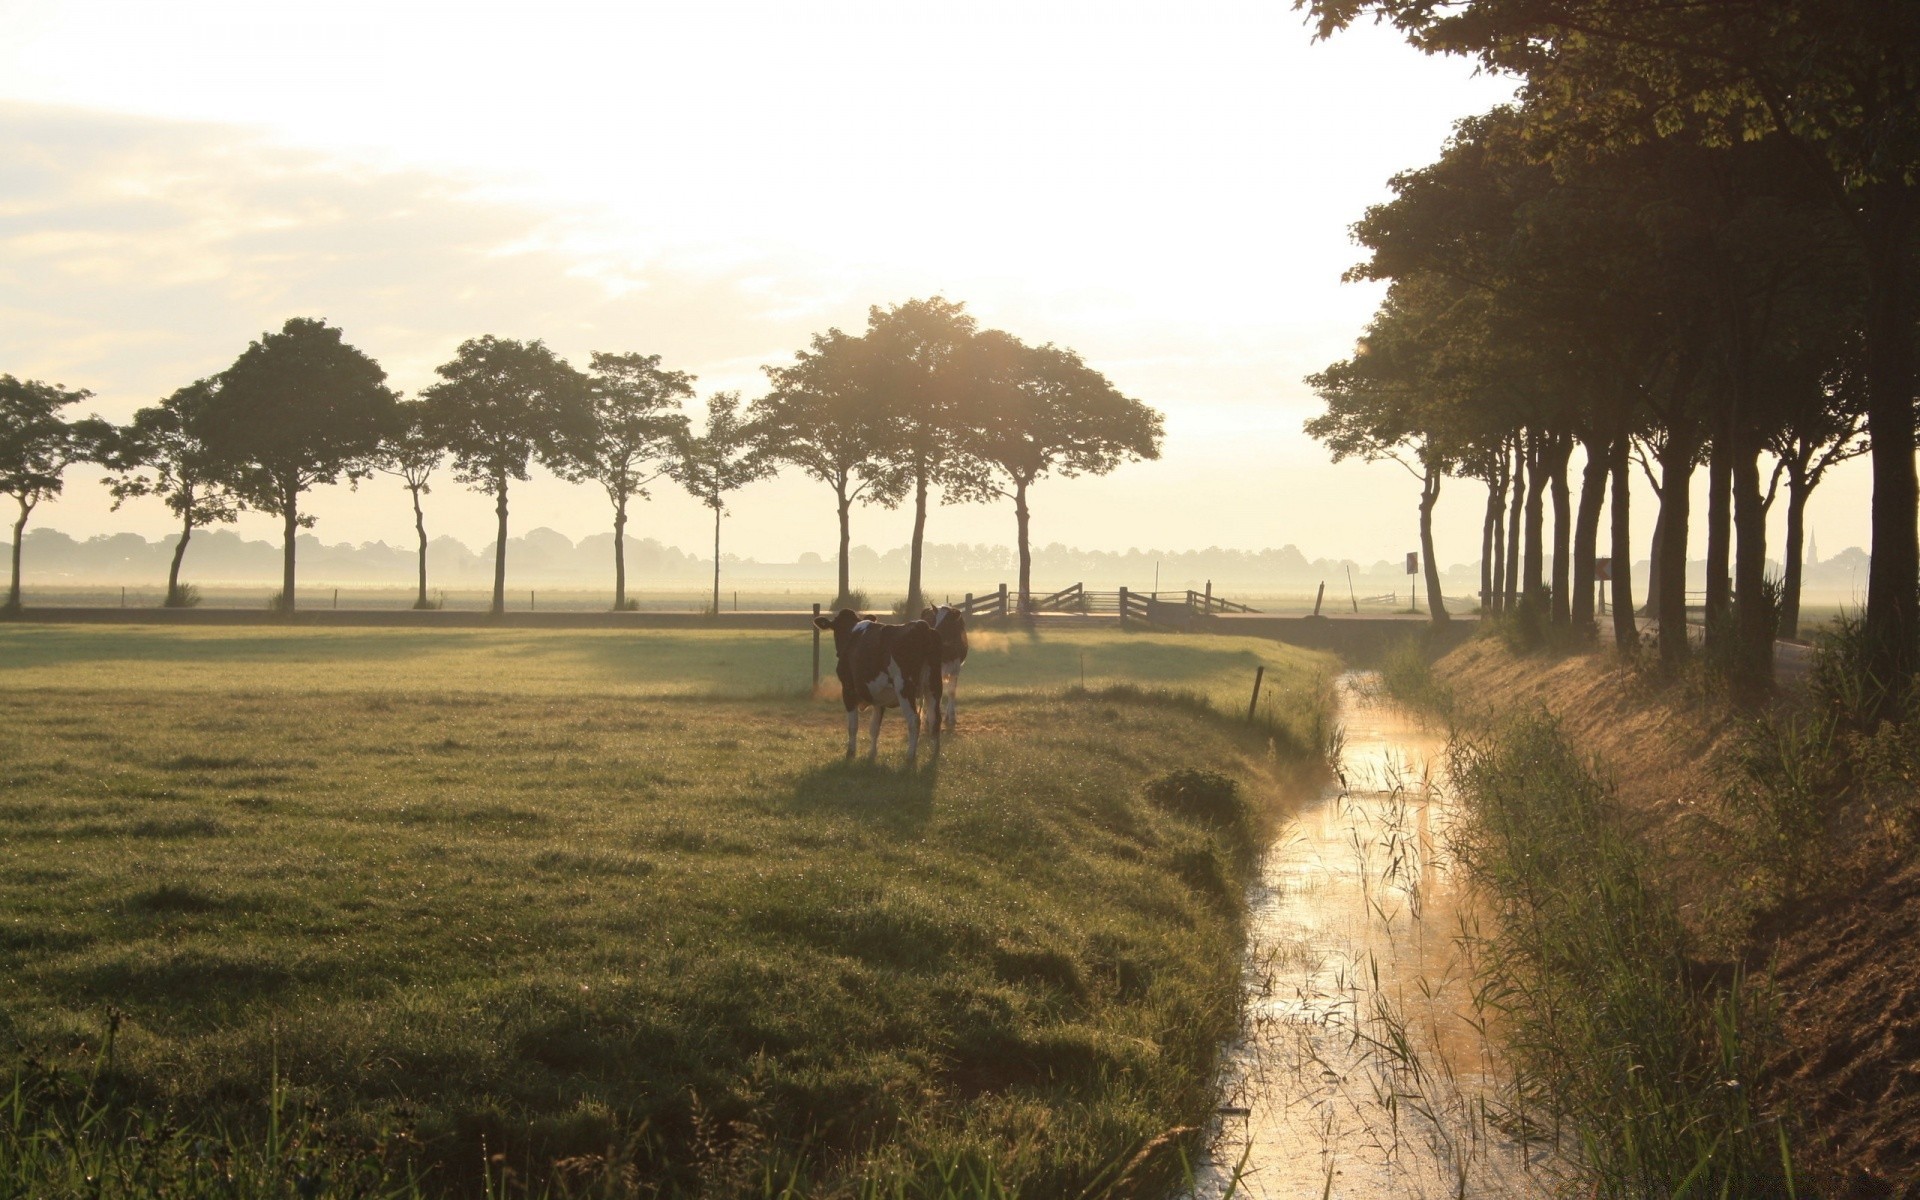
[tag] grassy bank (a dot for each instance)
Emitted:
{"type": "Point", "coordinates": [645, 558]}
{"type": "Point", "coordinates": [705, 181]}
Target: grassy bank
{"type": "Point", "coordinates": [1770, 854]}
{"type": "Point", "coordinates": [610, 910]}
{"type": "Point", "coordinates": [1642, 1057]}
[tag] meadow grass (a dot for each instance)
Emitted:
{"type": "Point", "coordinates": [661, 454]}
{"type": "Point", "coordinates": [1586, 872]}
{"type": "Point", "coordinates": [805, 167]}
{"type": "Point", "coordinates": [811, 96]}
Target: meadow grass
{"type": "Point", "coordinates": [609, 910]}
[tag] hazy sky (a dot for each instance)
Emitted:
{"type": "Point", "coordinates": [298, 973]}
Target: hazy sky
{"type": "Point", "coordinates": [1165, 188]}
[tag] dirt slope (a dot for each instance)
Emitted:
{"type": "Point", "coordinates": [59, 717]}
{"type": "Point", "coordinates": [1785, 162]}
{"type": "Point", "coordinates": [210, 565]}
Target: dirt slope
{"type": "Point", "coordinates": [1845, 963]}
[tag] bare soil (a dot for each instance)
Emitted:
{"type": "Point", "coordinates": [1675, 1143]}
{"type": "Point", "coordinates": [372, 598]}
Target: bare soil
{"type": "Point", "coordinates": [1843, 963]}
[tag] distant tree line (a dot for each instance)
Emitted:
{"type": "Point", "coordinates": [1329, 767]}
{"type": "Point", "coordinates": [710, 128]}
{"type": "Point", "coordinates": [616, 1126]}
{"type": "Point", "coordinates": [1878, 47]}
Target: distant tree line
{"type": "Point", "coordinates": [922, 400]}
{"type": "Point", "coordinates": [1689, 244]}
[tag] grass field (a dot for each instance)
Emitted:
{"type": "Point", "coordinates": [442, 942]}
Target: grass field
{"type": "Point", "coordinates": [609, 906]}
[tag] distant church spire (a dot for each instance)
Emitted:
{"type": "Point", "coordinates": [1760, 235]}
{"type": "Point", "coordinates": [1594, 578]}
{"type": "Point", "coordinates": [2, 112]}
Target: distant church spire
{"type": "Point", "coordinates": [1813, 549]}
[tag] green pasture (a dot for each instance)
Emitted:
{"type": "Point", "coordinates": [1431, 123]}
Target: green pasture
{"type": "Point", "coordinates": [611, 907]}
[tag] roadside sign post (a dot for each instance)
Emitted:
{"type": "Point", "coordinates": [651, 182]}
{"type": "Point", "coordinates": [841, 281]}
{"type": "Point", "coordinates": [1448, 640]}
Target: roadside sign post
{"type": "Point", "coordinates": [1413, 576]}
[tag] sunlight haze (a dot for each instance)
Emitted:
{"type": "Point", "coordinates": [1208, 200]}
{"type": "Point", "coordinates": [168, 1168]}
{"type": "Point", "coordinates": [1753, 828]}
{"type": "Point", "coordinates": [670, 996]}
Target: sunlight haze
{"type": "Point", "coordinates": [1166, 190]}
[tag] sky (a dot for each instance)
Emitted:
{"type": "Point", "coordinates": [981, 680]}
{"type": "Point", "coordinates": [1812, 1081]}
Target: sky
{"type": "Point", "coordinates": [1165, 188]}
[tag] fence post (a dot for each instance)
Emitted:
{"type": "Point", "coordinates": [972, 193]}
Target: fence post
{"type": "Point", "coordinates": [1003, 601]}
{"type": "Point", "coordinates": [1258, 674]}
{"type": "Point", "coordinates": [816, 647]}
{"type": "Point", "coordinates": [1123, 608]}
{"type": "Point", "coordinates": [1208, 606]}
{"type": "Point", "coordinates": [1319, 596]}
{"type": "Point", "coordinates": [969, 608]}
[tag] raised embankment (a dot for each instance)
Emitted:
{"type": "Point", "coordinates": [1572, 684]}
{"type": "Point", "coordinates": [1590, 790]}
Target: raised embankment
{"type": "Point", "coordinates": [1834, 948]}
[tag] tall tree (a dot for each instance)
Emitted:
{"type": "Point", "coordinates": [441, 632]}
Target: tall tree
{"type": "Point", "coordinates": [500, 404]}
{"type": "Point", "coordinates": [37, 445]}
{"type": "Point", "coordinates": [825, 415]}
{"type": "Point", "coordinates": [727, 455]}
{"type": "Point", "coordinates": [298, 409]}
{"type": "Point", "coordinates": [1034, 411]}
{"type": "Point", "coordinates": [630, 441]}
{"type": "Point", "coordinates": [1396, 399]}
{"type": "Point", "coordinates": [1831, 79]}
{"type": "Point", "coordinates": [412, 454]}
{"type": "Point", "coordinates": [163, 453]}
{"type": "Point", "coordinates": [917, 348]}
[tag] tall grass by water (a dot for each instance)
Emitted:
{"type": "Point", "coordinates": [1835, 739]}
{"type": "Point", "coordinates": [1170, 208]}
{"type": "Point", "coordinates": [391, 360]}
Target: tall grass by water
{"type": "Point", "coordinates": [1645, 1058]}
{"type": "Point", "coordinates": [574, 914]}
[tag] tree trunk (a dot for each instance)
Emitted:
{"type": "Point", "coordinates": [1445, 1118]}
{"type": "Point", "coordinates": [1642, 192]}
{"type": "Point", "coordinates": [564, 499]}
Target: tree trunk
{"type": "Point", "coordinates": [1020, 519]}
{"type": "Point", "coordinates": [289, 508]}
{"type": "Point", "coordinates": [500, 544]}
{"type": "Point", "coordinates": [919, 539]}
{"type": "Point", "coordinates": [1498, 601]}
{"type": "Point", "coordinates": [1653, 561]}
{"type": "Point", "coordinates": [1489, 538]}
{"type": "Point", "coordinates": [1514, 523]}
{"type": "Point", "coordinates": [420, 528]}
{"type": "Point", "coordinates": [1533, 566]}
{"type": "Point", "coordinates": [619, 556]}
{"type": "Point", "coordinates": [1626, 638]}
{"type": "Point", "coordinates": [1893, 574]}
{"type": "Point", "coordinates": [1430, 496]}
{"type": "Point", "coordinates": [717, 511]}
{"type": "Point", "coordinates": [846, 545]}
{"type": "Point", "coordinates": [1676, 473]}
{"type": "Point", "coordinates": [1753, 615]}
{"type": "Point", "coordinates": [19, 532]}
{"type": "Point", "coordinates": [1719, 534]}
{"type": "Point", "coordinates": [1586, 535]}
{"type": "Point", "coordinates": [1796, 538]}
{"type": "Point", "coordinates": [179, 552]}
{"type": "Point", "coordinates": [1559, 451]}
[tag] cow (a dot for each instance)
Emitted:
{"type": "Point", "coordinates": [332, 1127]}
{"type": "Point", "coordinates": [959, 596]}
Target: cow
{"type": "Point", "coordinates": [885, 666]}
{"type": "Point", "coordinates": [951, 625]}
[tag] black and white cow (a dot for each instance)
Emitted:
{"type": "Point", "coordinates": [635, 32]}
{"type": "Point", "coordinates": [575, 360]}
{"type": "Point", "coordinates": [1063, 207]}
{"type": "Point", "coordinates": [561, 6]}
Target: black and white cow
{"type": "Point", "coordinates": [882, 667]}
{"type": "Point", "coordinates": [951, 625]}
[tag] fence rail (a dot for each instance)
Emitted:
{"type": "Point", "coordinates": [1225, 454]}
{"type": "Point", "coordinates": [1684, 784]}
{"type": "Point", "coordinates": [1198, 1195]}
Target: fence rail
{"type": "Point", "coordinates": [1160, 608]}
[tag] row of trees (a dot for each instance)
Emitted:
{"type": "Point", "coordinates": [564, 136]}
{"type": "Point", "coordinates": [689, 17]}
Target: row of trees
{"type": "Point", "coordinates": [920, 400]}
{"type": "Point", "coordinates": [1687, 245]}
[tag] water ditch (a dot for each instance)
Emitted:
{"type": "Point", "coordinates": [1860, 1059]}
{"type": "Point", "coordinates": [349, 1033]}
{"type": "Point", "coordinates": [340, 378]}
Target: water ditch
{"type": "Point", "coordinates": [1364, 1068]}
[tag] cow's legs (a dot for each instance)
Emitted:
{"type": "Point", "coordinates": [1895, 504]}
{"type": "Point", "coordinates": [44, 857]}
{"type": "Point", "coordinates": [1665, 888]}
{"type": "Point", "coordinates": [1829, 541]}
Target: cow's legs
{"type": "Point", "coordinates": [853, 730]}
{"type": "Point", "coordinates": [911, 709]}
{"type": "Point", "coordinates": [873, 752]}
{"type": "Point", "coordinates": [951, 690]}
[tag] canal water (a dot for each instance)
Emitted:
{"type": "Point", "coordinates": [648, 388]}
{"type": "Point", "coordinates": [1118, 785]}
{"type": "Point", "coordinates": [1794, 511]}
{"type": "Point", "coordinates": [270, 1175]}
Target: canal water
{"type": "Point", "coordinates": [1363, 1068]}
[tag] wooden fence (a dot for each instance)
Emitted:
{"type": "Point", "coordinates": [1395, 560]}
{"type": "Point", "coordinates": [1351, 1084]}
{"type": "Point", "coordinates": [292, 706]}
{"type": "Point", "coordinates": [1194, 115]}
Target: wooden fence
{"type": "Point", "coordinates": [1157, 608]}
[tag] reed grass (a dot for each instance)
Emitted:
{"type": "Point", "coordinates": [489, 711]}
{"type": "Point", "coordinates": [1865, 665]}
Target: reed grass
{"type": "Point", "coordinates": [1647, 1057]}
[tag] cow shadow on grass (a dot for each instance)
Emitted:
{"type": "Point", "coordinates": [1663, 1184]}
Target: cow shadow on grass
{"type": "Point", "coordinates": [885, 795]}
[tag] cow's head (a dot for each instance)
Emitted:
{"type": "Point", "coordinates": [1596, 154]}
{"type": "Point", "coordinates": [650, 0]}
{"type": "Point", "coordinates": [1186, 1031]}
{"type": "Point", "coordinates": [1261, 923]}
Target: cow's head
{"type": "Point", "coordinates": [840, 625]}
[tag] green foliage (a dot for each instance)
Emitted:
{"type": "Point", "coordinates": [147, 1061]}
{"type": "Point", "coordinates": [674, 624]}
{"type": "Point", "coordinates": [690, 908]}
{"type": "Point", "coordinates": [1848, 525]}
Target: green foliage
{"type": "Point", "coordinates": [1406, 671]}
{"type": "Point", "coordinates": [1651, 1059]}
{"type": "Point", "coordinates": [298, 408]}
{"type": "Point", "coordinates": [184, 596]}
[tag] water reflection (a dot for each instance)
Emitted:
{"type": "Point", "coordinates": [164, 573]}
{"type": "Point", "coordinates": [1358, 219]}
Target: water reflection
{"type": "Point", "coordinates": [1363, 1068]}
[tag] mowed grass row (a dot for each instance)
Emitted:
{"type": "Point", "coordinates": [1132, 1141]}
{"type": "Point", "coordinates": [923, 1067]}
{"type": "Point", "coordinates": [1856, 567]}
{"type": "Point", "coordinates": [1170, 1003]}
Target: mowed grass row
{"type": "Point", "coordinates": [561, 898]}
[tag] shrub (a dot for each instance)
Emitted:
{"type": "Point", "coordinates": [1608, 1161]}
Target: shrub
{"type": "Point", "coordinates": [1205, 796]}
{"type": "Point", "coordinates": [184, 596]}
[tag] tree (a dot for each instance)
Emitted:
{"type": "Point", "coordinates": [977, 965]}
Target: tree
{"type": "Point", "coordinates": [1396, 399]}
{"type": "Point", "coordinates": [163, 452]}
{"type": "Point", "coordinates": [825, 415]}
{"type": "Point", "coordinates": [917, 349]}
{"type": "Point", "coordinates": [629, 442]}
{"type": "Point", "coordinates": [501, 403]}
{"type": "Point", "coordinates": [297, 409]}
{"type": "Point", "coordinates": [36, 447]}
{"type": "Point", "coordinates": [1833, 82]}
{"type": "Point", "coordinates": [413, 453]}
{"type": "Point", "coordinates": [1034, 411]}
{"type": "Point", "coordinates": [732, 453]}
